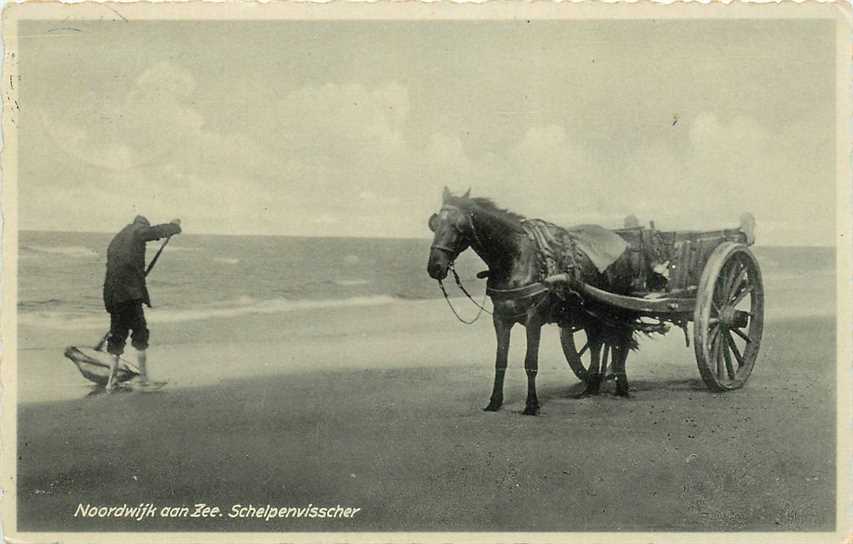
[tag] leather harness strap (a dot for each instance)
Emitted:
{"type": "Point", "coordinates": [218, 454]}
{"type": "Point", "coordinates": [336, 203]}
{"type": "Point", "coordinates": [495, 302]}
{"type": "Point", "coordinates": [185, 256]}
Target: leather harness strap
{"type": "Point", "coordinates": [527, 291]}
{"type": "Point", "coordinates": [537, 231]}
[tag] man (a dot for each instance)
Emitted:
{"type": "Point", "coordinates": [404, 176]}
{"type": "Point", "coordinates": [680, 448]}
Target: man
{"type": "Point", "coordinates": [125, 290]}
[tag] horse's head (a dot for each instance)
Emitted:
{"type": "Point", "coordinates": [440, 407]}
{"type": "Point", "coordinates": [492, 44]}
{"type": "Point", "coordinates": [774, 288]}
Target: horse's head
{"type": "Point", "coordinates": [452, 226]}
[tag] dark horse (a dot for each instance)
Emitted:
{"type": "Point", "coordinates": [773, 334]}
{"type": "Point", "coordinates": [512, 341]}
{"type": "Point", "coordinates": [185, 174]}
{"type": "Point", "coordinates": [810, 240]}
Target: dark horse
{"type": "Point", "coordinates": [516, 284]}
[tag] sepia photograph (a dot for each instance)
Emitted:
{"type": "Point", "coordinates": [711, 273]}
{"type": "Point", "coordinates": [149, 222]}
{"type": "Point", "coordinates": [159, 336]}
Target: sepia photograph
{"type": "Point", "coordinates": [423, 272]}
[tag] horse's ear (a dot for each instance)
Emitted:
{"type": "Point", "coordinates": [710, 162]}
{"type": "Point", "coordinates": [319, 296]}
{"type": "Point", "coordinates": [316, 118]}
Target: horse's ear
{"type": "Point", "coordinates": [446, 194]}
{"type": "Point", "coordinates": [467, 193]}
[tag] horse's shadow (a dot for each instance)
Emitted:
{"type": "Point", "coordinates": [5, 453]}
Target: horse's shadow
{"type": "Point", "coordinates": [637, 386]}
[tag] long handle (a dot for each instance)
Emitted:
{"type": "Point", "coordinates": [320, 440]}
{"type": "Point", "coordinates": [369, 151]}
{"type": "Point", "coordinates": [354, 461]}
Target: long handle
{"type": "Point", "coordinates": [157, 255]}
{"type": "Point", "coordinates": [100, 345]}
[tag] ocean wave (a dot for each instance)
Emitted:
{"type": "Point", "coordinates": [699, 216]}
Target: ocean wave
{"type": "Point", "coordinates": [226, 260]}
{"type": "Point", "coordinates": [30, 304]}
{"type": "Point", "coordinates": [350, 283]}
{"type": "Point", "coordinates": [805, 276]}
{"type": "Point", "coordinates": [65, 251]}
{"type": "Point", "coordinates": [227, 309]}
{"type": "Point", "coordinates": [181, 249]}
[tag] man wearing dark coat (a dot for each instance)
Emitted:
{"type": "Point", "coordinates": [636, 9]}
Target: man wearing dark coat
{"type": "Point", "coordinates": [125, 290]}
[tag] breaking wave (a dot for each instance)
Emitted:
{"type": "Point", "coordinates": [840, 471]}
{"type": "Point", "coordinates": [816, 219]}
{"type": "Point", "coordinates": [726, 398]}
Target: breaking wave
{"type": "Point", "coordinates": [234, 308]}
{"type": "Point", "coordinates": [65, 251]}
{"type": "Point", "coordinates": [350, 283]}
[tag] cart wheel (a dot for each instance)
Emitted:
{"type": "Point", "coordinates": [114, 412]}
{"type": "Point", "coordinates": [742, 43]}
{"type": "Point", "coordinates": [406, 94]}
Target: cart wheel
{"type": "Point", "coordinates": [579, 361]}
{"type": "Point", "coordinates": [729, 317]}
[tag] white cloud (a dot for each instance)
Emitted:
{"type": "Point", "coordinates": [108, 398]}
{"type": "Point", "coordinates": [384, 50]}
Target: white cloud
{"type": "Point", "coordinates": [340, 162]}
{"type": "Point", "coordinates": [331, 120]}
{"type": "Point", "coordinates": [731, 166]}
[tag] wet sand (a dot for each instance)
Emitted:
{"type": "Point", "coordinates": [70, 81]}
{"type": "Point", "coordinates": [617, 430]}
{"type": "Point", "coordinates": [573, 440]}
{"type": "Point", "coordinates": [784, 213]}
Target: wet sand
{"type": "Point", "coordinates": [380, 409]}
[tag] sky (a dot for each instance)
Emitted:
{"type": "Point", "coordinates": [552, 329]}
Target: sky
{"type": "Point", "coordinates": [342, 128]}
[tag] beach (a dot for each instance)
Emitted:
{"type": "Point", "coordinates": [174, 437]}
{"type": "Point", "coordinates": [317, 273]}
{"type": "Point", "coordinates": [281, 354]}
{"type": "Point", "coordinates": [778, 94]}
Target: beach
{"type": "Point", "coordinates": [377, 406]}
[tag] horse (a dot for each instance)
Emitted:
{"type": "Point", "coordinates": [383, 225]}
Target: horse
{"type": "Point", "coordinates": [521, 293]}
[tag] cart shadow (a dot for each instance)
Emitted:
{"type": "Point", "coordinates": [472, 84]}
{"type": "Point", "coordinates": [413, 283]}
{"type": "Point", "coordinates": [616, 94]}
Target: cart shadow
{"type": "Point", "coordinates": [679, 384]}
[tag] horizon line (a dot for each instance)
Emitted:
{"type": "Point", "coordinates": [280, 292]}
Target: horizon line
{"type": "Point", "coordinates": [355, 237]}
{"type": "Point", "coordinates": [243, 234]}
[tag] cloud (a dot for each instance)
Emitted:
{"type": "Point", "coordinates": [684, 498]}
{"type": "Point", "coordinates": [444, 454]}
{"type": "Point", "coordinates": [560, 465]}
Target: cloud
{"type": "Point", "coordinates": [728, 166]}
{"type": "Point", "coordinates": [165, 79]}
{"type": "Point", "coordinates": [343, 121]}
{"type": "Point", "coordinates": [342, 160]}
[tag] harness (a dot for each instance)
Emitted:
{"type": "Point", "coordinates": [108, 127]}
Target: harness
{"type": "Point", "coordinates": [554, 258]}
{"type": "Point", "coordinates": [550, 263]}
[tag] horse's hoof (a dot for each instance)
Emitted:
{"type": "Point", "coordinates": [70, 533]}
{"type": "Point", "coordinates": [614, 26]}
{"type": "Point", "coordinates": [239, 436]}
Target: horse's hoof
{"type": "Point", "coordinates": [530, 411]}
{"type": "Point", "coordinates": [591, 390]}
{"type": "Point", "coordinates": [622, 388]}
{"type": "Point", "coordinates": [492, 407]}
{"type": "Point", "coordinates": [593, 386]}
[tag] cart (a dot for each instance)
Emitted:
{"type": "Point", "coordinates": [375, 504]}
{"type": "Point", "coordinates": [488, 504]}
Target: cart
{"type": "Point", "coordinates": [709, 278]}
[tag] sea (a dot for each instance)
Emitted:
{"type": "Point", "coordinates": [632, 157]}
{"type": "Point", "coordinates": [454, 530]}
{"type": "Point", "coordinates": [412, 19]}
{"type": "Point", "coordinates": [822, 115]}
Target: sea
{"type": "Point", "coordinates": [60, 275]}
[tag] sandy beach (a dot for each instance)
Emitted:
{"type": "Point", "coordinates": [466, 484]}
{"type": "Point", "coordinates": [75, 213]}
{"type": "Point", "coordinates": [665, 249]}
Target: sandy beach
{"type": "Point", "coordinates": [380, 408]}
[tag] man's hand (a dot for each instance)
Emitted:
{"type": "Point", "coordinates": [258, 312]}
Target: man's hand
{"type": "Point", "coordinates": [176, 222]}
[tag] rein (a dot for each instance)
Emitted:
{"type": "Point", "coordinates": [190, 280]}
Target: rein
{"type": "Point", "coordinates": [467, 294]}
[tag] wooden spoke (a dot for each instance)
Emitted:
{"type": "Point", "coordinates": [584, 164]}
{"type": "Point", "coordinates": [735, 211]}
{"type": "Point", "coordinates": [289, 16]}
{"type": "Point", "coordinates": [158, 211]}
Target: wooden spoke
{"type": "Point", "coordinates": [715, 310]}
{"type": "Point", "coordinates": [729, 367]}
{"type": "Point", "coordinates": [736, 280]}
{"type": "Point", "coordinates": [742, 294]}
{"type": "Point", "coordinates": [738, 284]}
{"type": "Point", "coordinates": [580, 361]}
{"type": "Point", "coordinates": [742, 335]}
{"type": "Point", "coordinates": [717, 356]}
{"type": "Point", "coordinates": [727, 276]}
{"type": "Point", "coordinates": [718, 287]}
{"type": "Point", "coordinates": [712, 337]}
{"type": "Point", "coordinates": [734, 349]}
{"type": "Point", "coordinates": [721, 286]}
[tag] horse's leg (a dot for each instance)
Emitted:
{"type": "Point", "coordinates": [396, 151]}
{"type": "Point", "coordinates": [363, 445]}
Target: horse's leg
{"type": "Point", "coordinates": [593, 384]}
{"type": "Point", "coordinates": [620, 356]}
{"type": "Point", "coordinates": [502, 330]}
{"type": "Point", "coordinates": [531, 367]}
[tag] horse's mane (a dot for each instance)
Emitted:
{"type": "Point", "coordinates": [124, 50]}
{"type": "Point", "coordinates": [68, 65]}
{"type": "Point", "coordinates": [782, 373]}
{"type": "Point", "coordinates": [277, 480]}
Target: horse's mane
{"type": "Point", "coordinates": [488, 205]}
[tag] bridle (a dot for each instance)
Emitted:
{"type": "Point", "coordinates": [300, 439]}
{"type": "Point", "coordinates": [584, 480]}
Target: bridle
{"type": "Point", "coordinates": [453, 253]}
{"type": "Point", "coordinates": [533, 290]}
